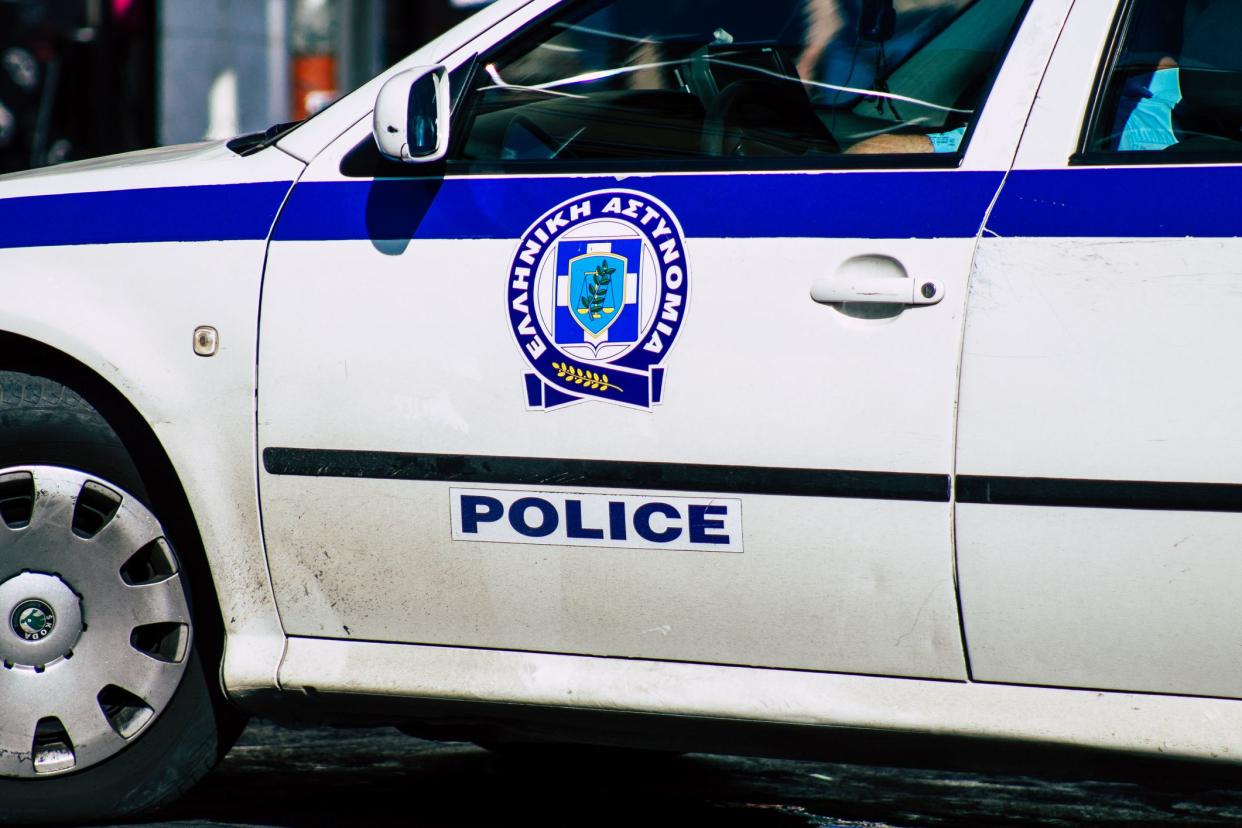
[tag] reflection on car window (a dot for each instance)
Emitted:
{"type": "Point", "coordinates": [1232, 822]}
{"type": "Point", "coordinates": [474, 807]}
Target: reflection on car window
{"type": "Point", "coordinates": [695, 79]}
{"type": "Point", "coordinates": [1175, 88]}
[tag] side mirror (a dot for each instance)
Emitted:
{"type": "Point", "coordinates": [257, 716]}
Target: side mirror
{"type": "Point", "coordinates": [412, 115]}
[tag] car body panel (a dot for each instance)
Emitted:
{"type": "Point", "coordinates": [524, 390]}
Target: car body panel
{"type": "Point", "coordinates": [421, 363]}
{"type": "Point", "coordinates": [190, 248]}
{"type": "Point", "coordinates": [385, 674]}
{"type": "Point", "coordinates": [1099, 507]}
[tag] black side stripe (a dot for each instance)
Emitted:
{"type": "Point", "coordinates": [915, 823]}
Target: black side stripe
{"type": "Point", "coordinates": [764, 480]}
{"type": "Point", "coordinates": [1100, 494]}
{"type": "Point", "coordinates": [607, 474]}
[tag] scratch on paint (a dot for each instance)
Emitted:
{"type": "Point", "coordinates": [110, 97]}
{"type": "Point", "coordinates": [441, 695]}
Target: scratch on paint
{"type": "Point", "coordinates": [663, 629]}
{"type": "Point", "coordinates": [917, 617]}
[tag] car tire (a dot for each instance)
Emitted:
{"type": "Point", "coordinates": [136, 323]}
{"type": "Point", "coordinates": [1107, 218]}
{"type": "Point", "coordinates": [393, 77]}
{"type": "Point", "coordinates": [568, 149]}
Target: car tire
{"type": "Point", "coordinates": [113, 707]}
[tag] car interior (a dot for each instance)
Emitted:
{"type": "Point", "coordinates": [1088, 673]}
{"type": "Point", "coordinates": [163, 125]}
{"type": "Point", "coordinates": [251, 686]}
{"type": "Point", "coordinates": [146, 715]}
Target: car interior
{"type": "Point", "coordinates": [1202, 37]}
{"type": "Point", "coordinates": [1210, 114]}
{"type": "Point", "coordinates": [716, 95]}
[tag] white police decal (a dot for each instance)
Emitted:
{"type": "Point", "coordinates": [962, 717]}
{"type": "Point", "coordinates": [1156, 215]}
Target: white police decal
{"type": "Point", "coordinates": [703, 524]}
{"type": "Point", "coordinates": [597, 293]}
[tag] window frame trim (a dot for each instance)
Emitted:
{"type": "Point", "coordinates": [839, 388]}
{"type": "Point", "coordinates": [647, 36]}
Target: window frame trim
{"type": "Point", "coordinates": [1119, 32]}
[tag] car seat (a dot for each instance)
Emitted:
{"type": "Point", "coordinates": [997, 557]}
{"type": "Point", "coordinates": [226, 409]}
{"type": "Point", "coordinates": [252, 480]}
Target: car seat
{"type": "Point", "coordinates": [1154, 33]}
{"type": "Point", "coordinates": [1210, 114]}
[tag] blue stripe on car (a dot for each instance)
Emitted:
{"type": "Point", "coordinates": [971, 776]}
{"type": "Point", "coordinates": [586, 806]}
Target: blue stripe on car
{"type": "Point", "coordinates": [1169, 202]}
{"type": "Point", "coordinates": [223, 212]}
{"type": "Point", "coordinates": [851, 205]}
{"type": "Point", "coordinates": [1148, 202]}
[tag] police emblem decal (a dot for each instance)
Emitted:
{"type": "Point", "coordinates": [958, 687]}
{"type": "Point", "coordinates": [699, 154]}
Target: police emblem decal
{"type": "Point", "coordinates": [597, 293]}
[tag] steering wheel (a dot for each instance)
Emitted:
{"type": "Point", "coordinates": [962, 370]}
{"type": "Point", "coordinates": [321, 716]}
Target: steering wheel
{"type": "Point", "coordinates": [756, 118]}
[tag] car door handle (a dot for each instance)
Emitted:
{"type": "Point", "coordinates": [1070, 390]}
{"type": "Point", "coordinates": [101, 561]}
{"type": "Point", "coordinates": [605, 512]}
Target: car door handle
{"type": "Point", "coordinates": [837, 289]}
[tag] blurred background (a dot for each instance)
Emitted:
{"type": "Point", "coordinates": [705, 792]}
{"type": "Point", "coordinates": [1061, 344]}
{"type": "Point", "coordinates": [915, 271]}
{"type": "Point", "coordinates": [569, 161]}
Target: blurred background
{"type": "Point", "coordinates": [82, 78]}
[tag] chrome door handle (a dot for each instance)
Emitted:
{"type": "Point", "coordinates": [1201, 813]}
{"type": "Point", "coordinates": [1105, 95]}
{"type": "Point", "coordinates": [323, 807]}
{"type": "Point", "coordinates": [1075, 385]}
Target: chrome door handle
{"type": "Point", "coordinates": [838, 289]}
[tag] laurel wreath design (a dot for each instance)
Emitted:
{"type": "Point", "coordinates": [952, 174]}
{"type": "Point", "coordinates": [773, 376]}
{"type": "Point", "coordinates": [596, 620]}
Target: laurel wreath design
{"type": "Point", "coordinates": [593, 296]}
{"type": "Point", "coordinates": [587, 379]}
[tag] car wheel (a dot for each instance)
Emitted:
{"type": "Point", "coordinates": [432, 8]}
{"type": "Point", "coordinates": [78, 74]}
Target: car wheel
{"type": "Point", "coordinates": [107, 706]}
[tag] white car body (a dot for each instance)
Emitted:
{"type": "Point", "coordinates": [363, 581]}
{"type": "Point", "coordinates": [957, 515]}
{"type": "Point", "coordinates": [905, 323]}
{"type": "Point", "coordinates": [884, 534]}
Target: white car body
{"type": "Point", "coordinates": [1066, 360]}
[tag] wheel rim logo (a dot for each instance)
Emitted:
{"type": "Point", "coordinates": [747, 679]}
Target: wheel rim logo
{"type": "Point", "coordinates": [33, 620]}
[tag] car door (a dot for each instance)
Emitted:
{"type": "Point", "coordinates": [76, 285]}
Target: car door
{"type": "Point", "coordinates": [1100, 510]}
{"type": "Point", "coordinates": [615, 379]}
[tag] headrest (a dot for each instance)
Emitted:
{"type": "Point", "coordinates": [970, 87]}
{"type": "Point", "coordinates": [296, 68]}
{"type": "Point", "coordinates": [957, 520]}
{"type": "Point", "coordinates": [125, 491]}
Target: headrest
{"type": "Point", "coordinates": [1213, 35]}
{"type": "Point", "coordinates": [1155, 32]}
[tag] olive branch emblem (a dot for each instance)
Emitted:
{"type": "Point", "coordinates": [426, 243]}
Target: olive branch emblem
{"type": "Point", "coordinates": [595, 292]}
{"type": "Point", "coordinates": [587, 379]}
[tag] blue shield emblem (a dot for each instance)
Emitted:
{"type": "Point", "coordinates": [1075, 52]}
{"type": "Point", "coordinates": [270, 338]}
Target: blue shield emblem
{"type": "Point", "coordinates": [597, 290]}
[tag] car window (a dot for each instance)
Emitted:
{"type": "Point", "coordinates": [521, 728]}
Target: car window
{"type": "Point", "coordinates": [1174, 87]}
{"type": "Point", "coordinates": [670, 80]}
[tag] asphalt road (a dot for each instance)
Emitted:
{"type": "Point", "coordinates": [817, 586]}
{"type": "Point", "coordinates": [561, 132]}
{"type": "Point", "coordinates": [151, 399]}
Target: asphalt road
{"type": "Point", "coordinates": [378, 777]}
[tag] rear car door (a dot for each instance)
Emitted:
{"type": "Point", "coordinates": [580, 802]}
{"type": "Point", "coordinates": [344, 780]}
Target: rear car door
{"type": "Point", "coordinates": [617, 379]}
{"type": "Point", "coordinates": [1100, 494]}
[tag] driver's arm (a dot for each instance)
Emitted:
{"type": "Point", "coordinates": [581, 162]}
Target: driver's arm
{"type": "Point", "coordinates": [890, 144]}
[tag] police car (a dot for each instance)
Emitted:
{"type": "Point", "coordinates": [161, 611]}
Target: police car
{"type": "Point", "coordinates": [643, 372]}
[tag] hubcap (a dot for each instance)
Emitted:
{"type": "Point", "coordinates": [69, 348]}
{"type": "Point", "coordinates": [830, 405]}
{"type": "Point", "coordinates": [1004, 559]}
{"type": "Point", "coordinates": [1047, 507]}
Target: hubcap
{"type": "Point", "coordinates": [95, 629]}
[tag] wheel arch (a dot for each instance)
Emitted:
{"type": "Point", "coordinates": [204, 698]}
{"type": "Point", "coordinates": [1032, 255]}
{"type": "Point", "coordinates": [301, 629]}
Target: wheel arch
{"type": "Point", "coordinates": [65, 415]}
{"type": "Point", "coordinates": [189, 425]}
{"type": "Point", "coordinates": [162, 484]}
